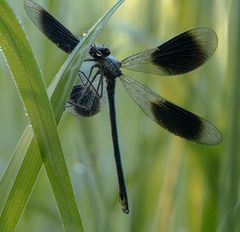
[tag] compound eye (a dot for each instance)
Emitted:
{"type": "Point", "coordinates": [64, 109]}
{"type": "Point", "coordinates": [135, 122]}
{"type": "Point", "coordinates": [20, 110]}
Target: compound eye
{"type": "Point", "coordinates": [99, 54]}
{"type": "Point", "coordinates": [106, 51]}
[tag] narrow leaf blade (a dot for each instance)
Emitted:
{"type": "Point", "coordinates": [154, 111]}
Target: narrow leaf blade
{"type": "Point", "coordinates": [13, 201]}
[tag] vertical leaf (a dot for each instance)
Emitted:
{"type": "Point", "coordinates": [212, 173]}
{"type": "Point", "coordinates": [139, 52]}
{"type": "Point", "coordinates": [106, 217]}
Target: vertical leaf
{"type": "Point", "coordinates": [43, 123]}
{"type": "Point", "coordinates": [229, 220]}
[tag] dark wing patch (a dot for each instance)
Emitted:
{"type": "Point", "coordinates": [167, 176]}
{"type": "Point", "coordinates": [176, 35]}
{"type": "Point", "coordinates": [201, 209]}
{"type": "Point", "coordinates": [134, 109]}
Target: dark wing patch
{"type": "Point", "coordinates": [172, 117]}
{"type": "Point", "coordinates": [53, 29]}
{"type": "Point", "coordinates": [84, 103]}
{"type": "Point", "coordinates": [88, 97]}
{"type": "Point", "coordinates": [177, 120]}
{"type": "Point", "coordinates": [181, 54]}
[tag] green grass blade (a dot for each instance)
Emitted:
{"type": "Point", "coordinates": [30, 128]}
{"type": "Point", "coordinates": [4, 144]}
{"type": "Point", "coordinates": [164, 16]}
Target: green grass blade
{"type": "Point", "coordinates": [229, 201]}
{"type": "Point", "coordinates": [12, 199]}
{"type": "Point", "coordinates": [33, 93]}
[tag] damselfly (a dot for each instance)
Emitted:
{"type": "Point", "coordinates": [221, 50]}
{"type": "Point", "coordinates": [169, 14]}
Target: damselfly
{"type": "Point", "coordinates": [179, 55]}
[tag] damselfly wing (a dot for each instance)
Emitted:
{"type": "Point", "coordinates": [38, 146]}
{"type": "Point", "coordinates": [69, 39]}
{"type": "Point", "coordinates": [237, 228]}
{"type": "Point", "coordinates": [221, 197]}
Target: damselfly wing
{"type": "Point", "coordinates": [170, 116]}
{"type": "Point", "coordinates": [51, 27]}
{"type": "Point", "coordinates": [179, 55]}
{"type": "Point", "coordinates": [67, 41]}
{"type": "Point", "coordinates": [88, 97]}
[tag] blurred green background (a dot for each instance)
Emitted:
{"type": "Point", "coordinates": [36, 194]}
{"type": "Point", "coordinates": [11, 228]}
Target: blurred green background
{"type": "Point", "coordinates": [173, 184]}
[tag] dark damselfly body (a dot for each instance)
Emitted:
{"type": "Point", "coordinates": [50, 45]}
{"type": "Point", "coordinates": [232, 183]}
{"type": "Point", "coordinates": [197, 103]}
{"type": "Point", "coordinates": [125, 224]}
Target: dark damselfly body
{"type": "Point", "coordinates": [179, 55]}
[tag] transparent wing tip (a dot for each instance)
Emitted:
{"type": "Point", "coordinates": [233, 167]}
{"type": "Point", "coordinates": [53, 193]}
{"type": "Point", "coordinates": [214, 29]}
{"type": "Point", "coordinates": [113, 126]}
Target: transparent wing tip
{"type": "Point", "coordinates": [210, 135]}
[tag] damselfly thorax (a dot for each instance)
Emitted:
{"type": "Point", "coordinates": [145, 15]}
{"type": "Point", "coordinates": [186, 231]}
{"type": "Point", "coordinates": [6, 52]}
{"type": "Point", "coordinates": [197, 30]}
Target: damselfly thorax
{"type": "Point", "coordinates": [107, 65]}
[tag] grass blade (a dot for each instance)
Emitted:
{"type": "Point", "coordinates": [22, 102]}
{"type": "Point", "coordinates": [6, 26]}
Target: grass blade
{"type": "Point", "coordinates": [14, 199]}
{"type": "Point", "coordinates": [33, 93]}
{"type": "Point", "coordinates": [229, 201]}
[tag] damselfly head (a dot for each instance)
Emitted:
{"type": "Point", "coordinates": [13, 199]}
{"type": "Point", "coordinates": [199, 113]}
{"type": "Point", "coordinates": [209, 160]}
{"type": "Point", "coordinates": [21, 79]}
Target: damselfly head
{"type": "Point", "coordinates": [98, 52]}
